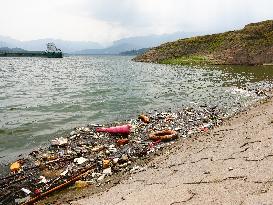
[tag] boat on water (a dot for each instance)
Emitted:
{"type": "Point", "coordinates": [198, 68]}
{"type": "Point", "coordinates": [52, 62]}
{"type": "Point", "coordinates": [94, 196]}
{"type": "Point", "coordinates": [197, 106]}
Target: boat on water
{"type": "Point", "coordinates": [51, 52]}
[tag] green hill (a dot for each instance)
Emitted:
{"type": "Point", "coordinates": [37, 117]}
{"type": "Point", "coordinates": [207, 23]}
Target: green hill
{"type": "Point", "coordinates": [252, 45]}
{"type": "Point", "coordinates": [11, 50]}
{"type": "Point", "coordinates": [134, 52]}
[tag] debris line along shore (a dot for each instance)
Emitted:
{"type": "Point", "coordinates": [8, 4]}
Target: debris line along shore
{"type": "Point", "coordinates": [91, 154]}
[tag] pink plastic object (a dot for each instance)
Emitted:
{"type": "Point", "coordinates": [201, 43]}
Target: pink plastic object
{"type": "Point", "coordinates": [123, 129]}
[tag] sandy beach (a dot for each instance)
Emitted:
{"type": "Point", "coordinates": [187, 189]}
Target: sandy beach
{"type": "Point", "coordinates": [229, 165]}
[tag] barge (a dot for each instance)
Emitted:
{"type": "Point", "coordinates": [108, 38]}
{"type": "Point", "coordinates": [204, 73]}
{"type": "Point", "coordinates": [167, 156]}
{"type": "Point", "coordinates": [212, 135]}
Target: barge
{"type": "Point", "coordinates": [51, 52]}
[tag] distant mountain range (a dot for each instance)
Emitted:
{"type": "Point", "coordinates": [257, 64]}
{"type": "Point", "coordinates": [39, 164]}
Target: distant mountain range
{"type": "Point", "coordinates": [40, 44]}
{"type": "Point", "coordinates": [136, 43]}
{"type": "Point", "coordinates": [88, 47]}
{"type": "Point", "coordinates": [7, 49]}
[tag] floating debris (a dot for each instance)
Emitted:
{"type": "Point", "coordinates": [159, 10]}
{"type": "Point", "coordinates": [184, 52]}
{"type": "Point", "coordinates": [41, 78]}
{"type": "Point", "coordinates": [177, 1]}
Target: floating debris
{"type": "Point", "coordinates": [106, 163]}
{"type": "Point", "coordinates": [81, 184]}
{"type": "Point", "coordinates": [165, 135]}
{"type": "Point", "coordinates": [107, 171]}
{"type": "Point", "coordinates": [80, 160]}
{"type": "Point", "coordinates": [144, 118]}
{"type": "Point", "coordinates": [15, 167]}
{"type": "Point", "coordinates": [122, 141]}
{"type": "Point", "coordinates": [123, 129]}
{"type": "Point", "coordinates": [59, 141]}
{"type": "Point", "coordinates": [88, 155]}
{"type": "Point", "coordinates": [26, 191]}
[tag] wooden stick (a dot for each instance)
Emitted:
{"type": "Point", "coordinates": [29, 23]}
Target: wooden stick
{"type": "Point", "coordinates": [35, 199]}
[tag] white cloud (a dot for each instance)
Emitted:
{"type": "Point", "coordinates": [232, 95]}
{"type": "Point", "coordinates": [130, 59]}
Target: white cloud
{"type": "Point", "coordinates": [32, 19]}
{"type": "Point", "coordinates": [107, 20]}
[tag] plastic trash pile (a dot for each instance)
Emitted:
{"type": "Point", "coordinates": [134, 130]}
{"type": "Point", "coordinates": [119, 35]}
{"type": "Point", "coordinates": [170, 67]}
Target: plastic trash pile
{"type": "Point", "coordinates": [91, 154]}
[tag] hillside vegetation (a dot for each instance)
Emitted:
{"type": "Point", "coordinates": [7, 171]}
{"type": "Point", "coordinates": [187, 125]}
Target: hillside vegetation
{"type": "Point", "coordinates": [252, 45]}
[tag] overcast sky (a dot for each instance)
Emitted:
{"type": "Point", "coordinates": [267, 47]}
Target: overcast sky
{"type": "Point", "coordinates": [107, 20]}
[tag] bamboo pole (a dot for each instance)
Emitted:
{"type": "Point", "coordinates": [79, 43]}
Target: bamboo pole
{"type": "Point", "coordinates": [59, 187]}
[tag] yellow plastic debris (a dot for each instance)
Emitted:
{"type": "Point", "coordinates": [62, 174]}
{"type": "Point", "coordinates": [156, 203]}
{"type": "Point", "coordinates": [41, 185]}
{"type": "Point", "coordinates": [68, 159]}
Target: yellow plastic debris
{"type": "Point", "coordinates": [15, 166]}
{"type": "Point", "coordinates": [81, 184]}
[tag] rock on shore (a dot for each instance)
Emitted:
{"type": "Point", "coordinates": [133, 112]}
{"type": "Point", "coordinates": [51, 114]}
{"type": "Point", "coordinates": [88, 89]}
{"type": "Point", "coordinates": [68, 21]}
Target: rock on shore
{"type": "Point", "coordinates": [252, 45]}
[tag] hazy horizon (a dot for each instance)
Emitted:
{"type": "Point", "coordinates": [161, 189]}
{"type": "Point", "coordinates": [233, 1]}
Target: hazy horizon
{"type": "Point", "coordinates": [109, 43]}
{"type": "Point", "coordinates": [105, 21]}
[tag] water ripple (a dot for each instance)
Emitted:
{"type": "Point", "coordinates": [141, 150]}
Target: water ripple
{"type": "Point", "coordinates": [40, 98]}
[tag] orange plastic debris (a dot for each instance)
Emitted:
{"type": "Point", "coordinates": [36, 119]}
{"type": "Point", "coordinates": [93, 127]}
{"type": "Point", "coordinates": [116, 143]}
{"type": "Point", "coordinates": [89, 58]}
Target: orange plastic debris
{"type": "Point", "coordinates": [106, 163]}
{"type": "Point", "coordinates": [164, 135]}
{"type": "Point", "coordinates": [144, 118]}
{"type": "Point", "coordinates": [122, 141]}
{"type": "Point", "coordinates": [15, 167]}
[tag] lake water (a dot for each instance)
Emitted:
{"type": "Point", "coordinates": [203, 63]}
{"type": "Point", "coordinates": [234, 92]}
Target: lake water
{"type": "Point", "coordinates": [41, 98]}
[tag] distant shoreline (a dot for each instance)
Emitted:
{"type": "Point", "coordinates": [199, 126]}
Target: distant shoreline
{"type": "Point", "coordinates": [31, 54]}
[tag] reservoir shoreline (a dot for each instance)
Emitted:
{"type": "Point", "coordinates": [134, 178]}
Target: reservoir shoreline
{"type": "Point", "coordinates": [43, 98]}
{"type": "Point", "coordinates": [235, 154]}
{"type": "Point", "coordinates": [229, 165]}
{"type": "Point", "coordinates": [220, 90]}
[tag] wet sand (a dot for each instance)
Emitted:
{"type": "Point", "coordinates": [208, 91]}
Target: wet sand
{"type": "Point", "coordinates": [231, 164]}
